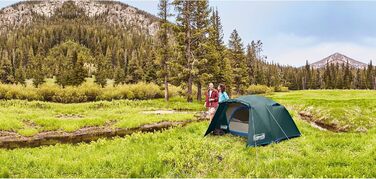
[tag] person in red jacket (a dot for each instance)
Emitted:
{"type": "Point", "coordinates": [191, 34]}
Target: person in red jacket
{"type": "Point", "coordinates": [211, 100]}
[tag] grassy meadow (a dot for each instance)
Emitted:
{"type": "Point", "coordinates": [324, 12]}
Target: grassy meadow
{"type": "Point", "coordinates": [354, 109]}
{"type": "Point", "coordinates": [183, 151]}
{"type": "Point", "coordinates": [31, 117]}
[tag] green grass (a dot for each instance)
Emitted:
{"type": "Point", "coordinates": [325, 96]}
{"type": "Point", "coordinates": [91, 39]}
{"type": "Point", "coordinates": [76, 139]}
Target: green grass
{"type": "Point", "coordinates": [354, 108]}
{"type": "Point", "coordinates": [184, 152]}
{"type": "Point", "coordinates": [17, 115]}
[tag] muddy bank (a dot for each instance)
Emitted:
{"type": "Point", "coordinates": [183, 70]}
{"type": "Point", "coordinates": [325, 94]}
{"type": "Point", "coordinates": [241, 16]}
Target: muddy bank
{"type": "Point", "coordinates": [12, 140]}
{"type": "Point", "coordinates": [307, 116]}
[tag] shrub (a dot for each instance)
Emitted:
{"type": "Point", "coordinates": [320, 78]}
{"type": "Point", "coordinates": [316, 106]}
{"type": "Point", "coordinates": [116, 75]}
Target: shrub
{"type": "Point", "coordinates": [259, 89]}
{"type": "Point", "coordinates": [281, 89]}
{"type": "Point", "coordinates": [47, 91]}
{"type": "Point", "coordinates": [17, 91]}
{"type": "Point", "coordinates": [144, 91]}
{"type": "Point", "coordinates": [91, 90]}
{"type": "Point", "coordinates": [173, 91]}
{"type": "Point", "coordinates": [133, 91]}
{"type": "Point", "coordinates": [110, 93]}
{"type": "Point", "coordinates": [70, 94]}
{"type": "Point", "coordinates": [88, 91]}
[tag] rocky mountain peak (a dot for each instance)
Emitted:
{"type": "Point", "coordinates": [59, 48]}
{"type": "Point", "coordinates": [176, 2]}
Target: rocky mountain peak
{"type": "Point", "coordinates": [338, 58]}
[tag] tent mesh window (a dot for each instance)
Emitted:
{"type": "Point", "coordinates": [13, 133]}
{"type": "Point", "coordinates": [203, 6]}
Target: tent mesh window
{"type": "Point", "coordinates": [238, 116]}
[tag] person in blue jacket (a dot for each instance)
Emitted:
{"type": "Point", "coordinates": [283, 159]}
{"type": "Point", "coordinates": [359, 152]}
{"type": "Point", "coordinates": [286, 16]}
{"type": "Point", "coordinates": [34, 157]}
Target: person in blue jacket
{"type": "Point", "coordinates": [223, 96]}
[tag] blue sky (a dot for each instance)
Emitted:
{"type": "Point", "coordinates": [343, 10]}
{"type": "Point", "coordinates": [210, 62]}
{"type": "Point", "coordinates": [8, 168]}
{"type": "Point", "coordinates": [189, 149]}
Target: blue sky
{"type": "Point", "coordinates": [296, 31]}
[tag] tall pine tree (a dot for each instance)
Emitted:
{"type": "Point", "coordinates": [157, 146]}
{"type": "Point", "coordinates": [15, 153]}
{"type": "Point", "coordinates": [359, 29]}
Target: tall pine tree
{"type": "Point", "coordinates": [185, 17]}
{"type": "Point", "coordinates": [164, 47]}
{"type": "Point", "coordinates": [239, 66]}
{"type": "Point", "coordinates": [224, 70]}
{"type": "Point", "coordinates": [205, 57]}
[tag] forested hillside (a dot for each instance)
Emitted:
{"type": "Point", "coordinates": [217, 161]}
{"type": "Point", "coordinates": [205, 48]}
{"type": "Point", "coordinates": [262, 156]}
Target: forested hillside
{"type": "Point", "coordinates": [72, 40]}
{"type": "Point", "coordinates": [72, 45]}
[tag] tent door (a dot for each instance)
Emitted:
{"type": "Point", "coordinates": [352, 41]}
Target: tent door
{"type": "Point", "coordinates": [239, 121]}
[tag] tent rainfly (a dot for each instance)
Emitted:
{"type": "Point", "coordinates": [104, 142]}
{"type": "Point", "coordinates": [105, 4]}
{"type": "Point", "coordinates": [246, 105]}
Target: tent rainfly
{"type": "Point", "coordinates": [260, 119]}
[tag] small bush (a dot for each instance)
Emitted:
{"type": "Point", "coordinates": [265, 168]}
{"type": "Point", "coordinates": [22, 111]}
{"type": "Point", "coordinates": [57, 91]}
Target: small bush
{"type": "Point", "coordinates": [48, 91]}
{"type": "Point", "coordinates": [259, 89]}
{"type": "Point", "coordinates": [110, 93]}
{"type": "Point", "coordinates": [91, 90]}
{"type": "Point", "coordinates": [173, 90]}
{"type": "Point", "coordinates": [281, 89]}
{"type": "Point", "coordinates": [69, 95]}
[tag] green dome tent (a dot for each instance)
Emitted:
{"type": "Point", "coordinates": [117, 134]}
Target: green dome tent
{"type": "Point", "coordinates": [260, 119]}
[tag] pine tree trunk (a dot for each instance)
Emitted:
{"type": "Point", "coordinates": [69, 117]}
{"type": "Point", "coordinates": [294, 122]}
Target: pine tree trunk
{"type": "Point", "coordinates": [190, 78]}
{"type": "Point", "coordinates": [166, 88]}
{"type": "Point", "coordinates": [374, 83]}
{"type": "Point", "coordinates": [199, 94]}
{"type": "Point", "coordinates": [188, 55]}
{"type": "Point", "coordinates": [303, 83]}
{"type": "Point", "coordinates": [13, 62]}
{"type": "Point", "coordinates": [189, 92]}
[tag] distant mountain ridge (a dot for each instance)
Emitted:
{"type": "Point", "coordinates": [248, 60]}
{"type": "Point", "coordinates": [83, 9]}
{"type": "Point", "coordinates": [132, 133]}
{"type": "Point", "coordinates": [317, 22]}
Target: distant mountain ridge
{"type": "Point", "coordinates": [117, 13]}
{"type": "Point", "coordinates": [340, 59]}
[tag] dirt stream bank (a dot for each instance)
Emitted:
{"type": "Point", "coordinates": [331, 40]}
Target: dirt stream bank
{"type": "Point", "coordinates": [12, 140]}
{"type": "Point", "coordinates": [307, 116]}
